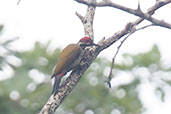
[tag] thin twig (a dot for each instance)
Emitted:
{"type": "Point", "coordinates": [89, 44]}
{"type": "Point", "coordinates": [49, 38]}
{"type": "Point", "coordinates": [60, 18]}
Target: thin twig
{"type": "Point", "coordinates": [18, 2]}
{"type": "Point", "coordinates": [108, 81]}
{"type": "Point", "coordinates": [80, 16]}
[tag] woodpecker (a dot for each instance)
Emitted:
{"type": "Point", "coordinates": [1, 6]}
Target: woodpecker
{"type": "Point", "coordinates": [69, 59]}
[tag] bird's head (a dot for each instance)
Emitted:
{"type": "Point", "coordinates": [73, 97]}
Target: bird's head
{"type": "Point", "coordinates": [86, 41]}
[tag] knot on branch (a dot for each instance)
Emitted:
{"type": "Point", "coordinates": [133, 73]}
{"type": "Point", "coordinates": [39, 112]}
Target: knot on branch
{"type": "Point", "coordinates": [129, 27]}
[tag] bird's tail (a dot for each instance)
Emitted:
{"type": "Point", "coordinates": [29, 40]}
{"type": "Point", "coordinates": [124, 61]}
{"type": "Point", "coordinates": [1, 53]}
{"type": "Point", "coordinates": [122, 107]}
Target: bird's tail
{"type": "Point", "coordinates": [56, 85]}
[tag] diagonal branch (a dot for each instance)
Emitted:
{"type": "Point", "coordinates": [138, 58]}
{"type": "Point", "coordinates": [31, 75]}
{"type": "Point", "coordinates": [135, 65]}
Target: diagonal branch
{"type": "Point", "coordinates": [90, 54]}
{"type": "Point", "coordinates": [64, 90]}
{"type": "Point", "coordinates": [109, 41]}
{"type": "Point", "coordinates": [136, 12]}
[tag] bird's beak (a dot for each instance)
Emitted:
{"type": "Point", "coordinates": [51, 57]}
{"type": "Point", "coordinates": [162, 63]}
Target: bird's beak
{"type": "Point", "coordinates": [95, 44]}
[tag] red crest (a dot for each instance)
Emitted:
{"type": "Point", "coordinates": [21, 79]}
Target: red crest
{"type": "Point", "coordinates": [86, 40]}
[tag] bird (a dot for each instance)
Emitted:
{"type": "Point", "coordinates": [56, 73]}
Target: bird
{"type": "Point", "coordinates": [69, 59]}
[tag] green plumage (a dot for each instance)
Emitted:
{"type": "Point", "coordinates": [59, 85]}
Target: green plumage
{"type": "Point", "coordinates": [67, 57]}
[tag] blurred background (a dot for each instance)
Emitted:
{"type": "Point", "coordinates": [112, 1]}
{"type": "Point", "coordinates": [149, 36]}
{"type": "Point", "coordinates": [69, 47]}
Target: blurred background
{"type": "Point", "coordinates": [32, 35]}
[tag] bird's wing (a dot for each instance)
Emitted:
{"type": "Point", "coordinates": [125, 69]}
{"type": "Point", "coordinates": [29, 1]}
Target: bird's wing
{"type": "Point", "coordinates": [67, 57]}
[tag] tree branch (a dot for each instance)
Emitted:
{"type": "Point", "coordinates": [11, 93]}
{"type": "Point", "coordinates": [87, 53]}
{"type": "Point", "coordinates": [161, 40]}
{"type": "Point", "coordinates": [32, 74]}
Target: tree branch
{"type": "Point", "coordinates": [136, 12]}
{"type": "Point", "coordinates": [54, 101]}
{"type": "Point", "coordinates": [88, 21]}
{"type": "Point", "coordinates": [90, 54]}
{"type": "Point", "coordinates": [118, 48]}
{"type": "Point", "coordinates": [18, 2]}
